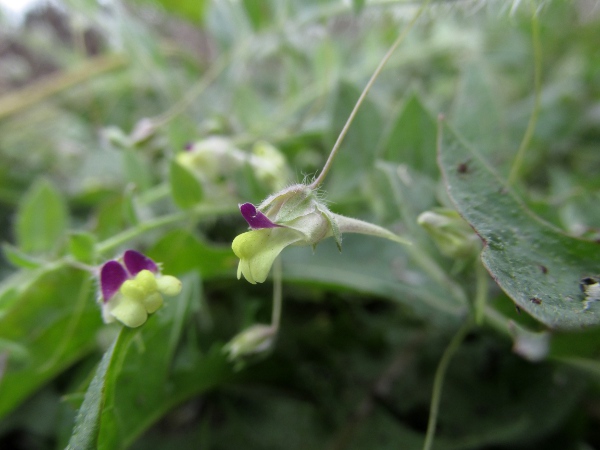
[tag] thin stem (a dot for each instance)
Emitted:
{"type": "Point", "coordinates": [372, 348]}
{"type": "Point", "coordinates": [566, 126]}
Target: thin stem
{"type": "Point", "coordinates": [481, 291]}
{"type": "Point", "coordinates": [198, 212]}
{"type": "Point", "coordinates": [336, 147]}
{"type": "Point", "coordinates": [537, 76]}
{"type": "Point", "coordinates": [438, 382]}
{"type": "Point", "coordinates": [277, 294]}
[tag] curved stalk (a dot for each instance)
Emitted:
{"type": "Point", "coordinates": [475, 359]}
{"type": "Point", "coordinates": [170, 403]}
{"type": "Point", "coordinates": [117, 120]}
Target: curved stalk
{"type": "Point", "coordinates": [537, 76]}
{"type": "Point", "coordinates": [438, 382]}
{"type": "Point", "coordinates": [336, 147]}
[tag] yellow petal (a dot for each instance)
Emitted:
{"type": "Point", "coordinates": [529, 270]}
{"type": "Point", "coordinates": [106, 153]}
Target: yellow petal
{"type": "Point", "coordinates": [257, 249]}
{"type": "Point", "coordinates": [130, 312]}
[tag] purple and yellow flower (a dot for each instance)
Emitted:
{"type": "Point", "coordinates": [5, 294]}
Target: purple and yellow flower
{"type": "Point", "coordinates": [293, 216]}
{"type": "Point", "coordinates": [132, 288]}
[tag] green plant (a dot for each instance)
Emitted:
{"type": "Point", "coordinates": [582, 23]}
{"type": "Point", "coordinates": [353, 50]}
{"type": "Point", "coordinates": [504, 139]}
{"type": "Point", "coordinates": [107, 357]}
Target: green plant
{"type": "Point", "coordinates": [160, 119]}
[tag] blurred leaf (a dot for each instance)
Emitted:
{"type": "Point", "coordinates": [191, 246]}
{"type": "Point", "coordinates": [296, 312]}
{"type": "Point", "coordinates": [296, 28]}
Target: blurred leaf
{"type": "Point", "coordinates": [357, 152]}
{"type": "Point", "coordinates": [41, 219]}
{"type": "Point", "coordinates": [82, 246]}
{"type": "Point", "coordinates": [136, 170]}
{"type": "Point", "coordinates": [87, 423]}
{"type": "Point", "coordinates": [258, 12]}
{"type": "Point", "coordinates": [55, 320]}
{"type": "Point", "coordinates": [179, 251]}
{"type": "Point", "coordinates": [358, 5]}
{"type": "Point", "coordinates": [372, 266]}
{"type": "Point", "coordinates": [110, 218]}
{"type": "Point", "coordinates": [185, 187]}
{"type": "Point", "coordinates": [411, 138]}
{"type": "Point", "coordinates": [510, 395]}
{"type": "Point", "coordinates": [476, 112]}
{"type": "Point", "coordinates": [18, 258]}
{"type": "Point", "coordinates": [192, 10]}
{"type": "Point", "coordinates": [129, 211]}
{"type": "Point", "coordinates": [539, 267]}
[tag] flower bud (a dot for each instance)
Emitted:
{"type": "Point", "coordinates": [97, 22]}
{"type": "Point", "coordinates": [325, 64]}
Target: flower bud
{"type": "Point", "coordinates": [270, 165]}
{"type": "Point", "coordinates": [451, 233]}
{"type": "Point", "coordinates": [256, 339]}
{"type": "Point", "coordinates": [168, 285]}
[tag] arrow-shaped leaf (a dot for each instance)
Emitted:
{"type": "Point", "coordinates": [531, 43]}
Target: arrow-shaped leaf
{"type": "Point", "coordinates": [537, 265]}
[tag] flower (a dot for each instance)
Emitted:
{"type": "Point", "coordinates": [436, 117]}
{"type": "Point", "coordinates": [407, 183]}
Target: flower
{"type": "Point", "coordinates": [294, 216]}
{"type": "Point", "coordinates": [133, 288]}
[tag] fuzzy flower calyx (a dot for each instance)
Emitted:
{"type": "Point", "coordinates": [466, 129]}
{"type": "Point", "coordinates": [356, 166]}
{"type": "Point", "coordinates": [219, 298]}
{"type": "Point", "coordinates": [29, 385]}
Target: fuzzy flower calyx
{"type": "Point", "coordinates": [293, 216]}
{"type": "Point", "coordinates": [132, 288]}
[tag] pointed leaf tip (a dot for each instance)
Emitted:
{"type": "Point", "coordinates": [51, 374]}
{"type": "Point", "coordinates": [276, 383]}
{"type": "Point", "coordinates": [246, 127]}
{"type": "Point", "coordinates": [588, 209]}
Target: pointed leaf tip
{"type": "Point", "coordinates": [112, 276]}
{"type": "Point", "coordinates": [136, 262]}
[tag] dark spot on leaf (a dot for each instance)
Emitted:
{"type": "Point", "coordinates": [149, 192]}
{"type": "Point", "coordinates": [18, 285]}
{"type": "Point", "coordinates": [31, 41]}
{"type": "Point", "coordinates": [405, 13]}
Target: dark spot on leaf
{"type": "Point", "coordinates": [463, 168]}
{"type": "Point", "coordinates": [587, 281]}
{"type": "Point", "coordinates": [518, 309]}
{"type": "Point", "coordinates": [544, 269]}
{"type": "Point", "coordinates": [536, 300]}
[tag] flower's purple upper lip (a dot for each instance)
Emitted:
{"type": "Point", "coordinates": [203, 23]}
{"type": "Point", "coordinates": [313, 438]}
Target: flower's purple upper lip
{"type": "Point", "coordinates": [112, 276]}
{"type": "Point", "coordinates": [136, 262]}
{"type": "Point", "coordinates": [255, 218]}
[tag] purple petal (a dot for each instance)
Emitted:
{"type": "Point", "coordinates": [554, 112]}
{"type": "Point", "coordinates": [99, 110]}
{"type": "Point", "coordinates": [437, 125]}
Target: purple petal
{"type": "Point", "coordinates": [136, 262]}
{"type": "Point", "coordinates": [255, 218]}
{"type": "Point", "coordinates": [112, 276]}
{"type": "Point", "coordinates": [188, 146]}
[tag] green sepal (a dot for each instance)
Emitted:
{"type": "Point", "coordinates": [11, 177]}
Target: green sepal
{"type": "Point", "coordinates": [335, 229]}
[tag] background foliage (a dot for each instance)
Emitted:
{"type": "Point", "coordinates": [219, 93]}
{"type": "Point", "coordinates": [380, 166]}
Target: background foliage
{"type": "Point", "coordinates": [97, 100]}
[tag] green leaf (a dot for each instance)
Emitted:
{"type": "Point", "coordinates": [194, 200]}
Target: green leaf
{"type": "Point", "coordinates": [179, 251]}
{"type": "Point", "coordinates": [185, 187]}
{"type": "Point", "coordinates": [192, 10]}
{"type": "Point", "coordinates": [87, 423]}
{"type": "Point", "coordinates": [411, 138]}
{"type": "Point", "coordinates": [366, 265]}
{"type": "Point", "coordinates": [358, 5]}
{"type": "Point", "coordinates": [54, 320]}
{"type": "Point", "coordinates": [41, 219]}
{"type": "Point", "coordinates": [164, 368]}
{"type": "Point", "coordinates": [136, 170]}
{"type": "Point", "coordinates": [258, 12]}
{"type": "Point", "coordinates": [18, 258]}
{"type": "Point", "coordinates": [538, 266]}
{"type": "Point", "coordinates": [477, 110]}
{"type": "Point", "coordinates": [82, 246]}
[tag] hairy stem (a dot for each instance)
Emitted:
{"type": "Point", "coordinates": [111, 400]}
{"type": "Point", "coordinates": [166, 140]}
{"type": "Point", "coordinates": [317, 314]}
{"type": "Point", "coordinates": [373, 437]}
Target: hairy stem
{"type": "Point", "coordinates": [277, 294]}
{"type": "Point", "coordinates": [537, 76]}
{"type": "Point", "coordinates": [199, 212]}
{"type": "Point", "coordinates": [336, 147]}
